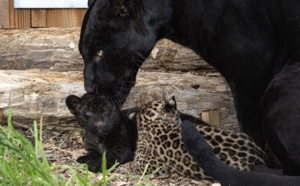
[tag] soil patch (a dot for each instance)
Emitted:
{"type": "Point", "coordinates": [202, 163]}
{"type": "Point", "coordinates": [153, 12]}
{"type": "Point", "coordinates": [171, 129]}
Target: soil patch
{"type": "Point", "coordinates": [66, 147]}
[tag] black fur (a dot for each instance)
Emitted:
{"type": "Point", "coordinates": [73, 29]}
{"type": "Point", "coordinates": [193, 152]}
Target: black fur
{"type": "Point", "coordinates": [112, 131]}
{"type": "Point", "coordinates": [106, 129]}
{"type": "Point", "coordinates": [202, 153]}
{"type": "Point", "coordinates": [281, 107]}
{"type": "Point", "coordinates": [248, 41]}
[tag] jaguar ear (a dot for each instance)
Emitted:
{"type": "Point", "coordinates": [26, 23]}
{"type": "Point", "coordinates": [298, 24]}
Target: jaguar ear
{"type": "Point", "coordinates": [170, 99]}
{"type": "Point", "coordinates": [132, 116]}
{"type": "Point", "coordinates": [121, 7]}
{"type": "Point", "coordinates": [172, 102]}
{"type": "Point", "coordinates": [73, 103]}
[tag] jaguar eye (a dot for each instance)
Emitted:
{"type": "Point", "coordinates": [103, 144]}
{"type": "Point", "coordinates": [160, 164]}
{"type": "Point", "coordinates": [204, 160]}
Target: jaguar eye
{"type": "Point", "coordinates": [88, 113]}
{"type": "Point", "coordinates": [100, 53]}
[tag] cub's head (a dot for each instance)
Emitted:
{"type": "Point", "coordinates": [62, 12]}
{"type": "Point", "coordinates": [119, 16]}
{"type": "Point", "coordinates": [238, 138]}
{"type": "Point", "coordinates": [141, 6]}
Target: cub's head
{"type": "Point", "coordinates": [157, 111]}
{"type": "Point", "coordinates": [93, 113]}
{"type": "Point", "coordinates": [116, 37]}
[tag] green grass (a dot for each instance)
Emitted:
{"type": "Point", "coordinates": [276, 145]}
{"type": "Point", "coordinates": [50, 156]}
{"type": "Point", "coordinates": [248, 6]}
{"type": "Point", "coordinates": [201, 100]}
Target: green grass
{"type": "Point", "coordinates": [145, 179]}
{"type": "Point", "coordinates": [22, 163]}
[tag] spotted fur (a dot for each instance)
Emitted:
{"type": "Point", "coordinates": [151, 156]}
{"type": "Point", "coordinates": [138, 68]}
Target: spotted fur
{"type": "Point", "coordinates": [160, 144]}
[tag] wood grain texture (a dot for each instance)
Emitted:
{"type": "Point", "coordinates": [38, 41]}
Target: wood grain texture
{"type": "Point", "coordinates": [36, 93]}
{"type": "Point", "coordinates": [38, 18]}
{"type": "Point", "coordinates": [15, 18]}
{"type": "Point", "coordinates": [41, 67]}
{"type": "Point", "coordinates": [57, 49]}
{"type": "Point", "coordinates": [4, 14]}
{"type": "Point", "coordinates": [64, 17]}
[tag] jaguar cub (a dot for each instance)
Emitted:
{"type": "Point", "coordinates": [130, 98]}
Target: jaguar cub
{"type": "Point", "coordinates": [106, 129]}
{"type": "Point", "coordinates": [160, 144]}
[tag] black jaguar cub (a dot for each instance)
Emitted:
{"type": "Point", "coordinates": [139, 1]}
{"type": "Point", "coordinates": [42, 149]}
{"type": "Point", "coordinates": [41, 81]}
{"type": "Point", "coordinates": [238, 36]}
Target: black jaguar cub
{"type": "Point", "coordinates": [106, 129]}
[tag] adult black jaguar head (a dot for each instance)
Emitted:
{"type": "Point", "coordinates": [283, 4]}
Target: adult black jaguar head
{"type": "Point", "coordinates": [116, 37]}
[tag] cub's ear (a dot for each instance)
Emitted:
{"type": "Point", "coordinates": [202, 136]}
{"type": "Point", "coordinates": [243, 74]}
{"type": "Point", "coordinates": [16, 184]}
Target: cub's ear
{"type": "Point", "coordinates": [121, 7]}
{"type": "Point", "coordinates": [132, 116]}
{"type": "Point", "coordinates": [73, 103]}
{"type": "Point", "coordinates": [170, 100]}
{"type": "Point", "coordinates": [170, 105]}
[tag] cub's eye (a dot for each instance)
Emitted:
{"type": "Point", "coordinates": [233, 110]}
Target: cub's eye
{"type": "Point", "coordinates": [88, 113]}
{"type": "Point", "coordinates": [100, 53]}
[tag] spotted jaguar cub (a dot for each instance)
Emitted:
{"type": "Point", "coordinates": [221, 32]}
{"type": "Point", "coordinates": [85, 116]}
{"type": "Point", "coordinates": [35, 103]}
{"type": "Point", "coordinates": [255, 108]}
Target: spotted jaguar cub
{"type": "Point", "coordinates": [160, 144]}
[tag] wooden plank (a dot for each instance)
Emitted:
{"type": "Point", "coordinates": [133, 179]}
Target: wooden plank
{"type": "Point", "coordinates": [65, 17]}
{"type": "Point", "coordinates": [57, 17]}
{"type": "Point", "coordinates": [13, 18]}
{"type": "Point", "coordinates": [26, 18]}
{"type": "Point", "coordinates": [38, 18]}
{"type": "Point", "coordinates": [3, 13]}
{"type": "Point", "coordinates": [212, 117]}
{"type": "Point", "coordinates": [19, 18]}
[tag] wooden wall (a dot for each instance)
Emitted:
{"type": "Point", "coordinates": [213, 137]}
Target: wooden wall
{"type": "Point", "coordinates": [38, 18]}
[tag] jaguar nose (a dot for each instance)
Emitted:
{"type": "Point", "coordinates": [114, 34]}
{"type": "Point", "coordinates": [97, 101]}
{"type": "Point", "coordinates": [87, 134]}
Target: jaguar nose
{"type": "Point", "coordinates": [89, 86]}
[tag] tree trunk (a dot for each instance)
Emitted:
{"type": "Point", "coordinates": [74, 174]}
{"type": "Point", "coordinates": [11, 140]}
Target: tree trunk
{"type": "Point", "coordinates": [56, 49]}
{"type": "Point", "coordinates": [36, 93]}
{"type": "Point", "coordinates": [41, 67]}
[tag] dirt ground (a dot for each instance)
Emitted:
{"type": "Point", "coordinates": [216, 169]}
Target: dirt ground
{"type": "Point", "coordinates": [66, 147]}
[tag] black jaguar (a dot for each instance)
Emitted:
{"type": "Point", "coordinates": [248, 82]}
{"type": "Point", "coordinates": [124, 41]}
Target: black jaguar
{"type": "Point", "coordinates": [248, 41]}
